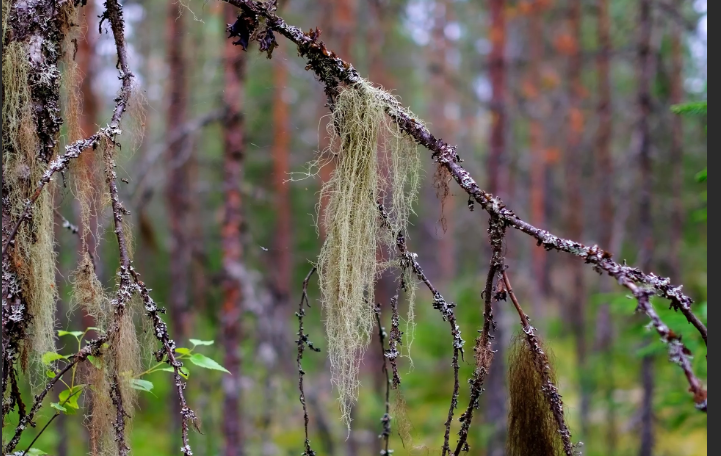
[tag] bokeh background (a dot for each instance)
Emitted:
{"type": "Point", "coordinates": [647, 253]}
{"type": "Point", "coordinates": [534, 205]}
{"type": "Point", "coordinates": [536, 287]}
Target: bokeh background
{"type": "Point", "coordinates": [434, 55]}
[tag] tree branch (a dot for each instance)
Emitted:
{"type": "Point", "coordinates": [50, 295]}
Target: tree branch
{"type": "Point", "coordinates": [333, 72]}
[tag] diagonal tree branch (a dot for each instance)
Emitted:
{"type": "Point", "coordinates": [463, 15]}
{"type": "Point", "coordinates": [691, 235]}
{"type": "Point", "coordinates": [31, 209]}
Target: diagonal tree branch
{"type": "Point", "coordinates": [334, 72]}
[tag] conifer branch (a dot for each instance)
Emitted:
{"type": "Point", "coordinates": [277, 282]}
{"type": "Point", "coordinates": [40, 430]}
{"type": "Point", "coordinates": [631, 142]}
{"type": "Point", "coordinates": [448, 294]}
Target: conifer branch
{"type": "Point", "coordinates": [335, 72]}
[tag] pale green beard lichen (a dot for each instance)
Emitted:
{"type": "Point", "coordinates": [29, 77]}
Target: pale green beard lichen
{"type": "Point", "coordinates": [357, 243]}
{"type": "Point", "coordinates": [34, 255]}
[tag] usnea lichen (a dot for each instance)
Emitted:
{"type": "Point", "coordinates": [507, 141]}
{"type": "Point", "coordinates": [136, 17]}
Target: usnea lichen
{"type": "Point", "coordinates": [357, 244]}
{"type": "Point", "coordinates": [531, 426]}
{"type": "Point", "coordinates": [34, 254]}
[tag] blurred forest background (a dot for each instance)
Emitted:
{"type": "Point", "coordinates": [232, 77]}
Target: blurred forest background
{"type": "Point", "coordinates": [542, 98]}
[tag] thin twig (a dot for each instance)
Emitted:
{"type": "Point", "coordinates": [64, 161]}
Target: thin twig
{"type": "Point", "coordinates": [386, 419]}
{"type": "Point", "coordinates": [304, 342]}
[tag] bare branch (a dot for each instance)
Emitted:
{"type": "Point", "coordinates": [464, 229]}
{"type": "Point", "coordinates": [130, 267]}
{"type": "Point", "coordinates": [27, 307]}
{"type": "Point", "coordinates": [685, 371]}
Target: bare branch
{"type": "Point", "coordinates": [302, 342]}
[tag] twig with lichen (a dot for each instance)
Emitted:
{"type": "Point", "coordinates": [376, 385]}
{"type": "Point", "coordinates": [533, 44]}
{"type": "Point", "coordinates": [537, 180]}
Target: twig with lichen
{"type": "Point", "coordinates": [302, 343]}
{"type": "Point", "coordinates": [334, 72]}
{"type": "Point", "coordinates": [386, 419]}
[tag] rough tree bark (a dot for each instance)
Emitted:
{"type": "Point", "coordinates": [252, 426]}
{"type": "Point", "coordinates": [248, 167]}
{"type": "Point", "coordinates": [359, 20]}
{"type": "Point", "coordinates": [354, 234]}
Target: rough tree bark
{"type": "Point", "coordinates": [234, 143]}
{"type": "Point", "coordinates": [39, 28]}
{"type": "Point", "coordinates": [574, 199]}
{"type": "Point", "coordinates": [498, 185]}
{"type": "Point", "coordinates": [645, 228]}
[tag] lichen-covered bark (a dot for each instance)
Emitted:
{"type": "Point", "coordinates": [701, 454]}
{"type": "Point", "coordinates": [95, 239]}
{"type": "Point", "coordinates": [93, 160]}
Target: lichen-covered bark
{"type": "Point", "coordinates": [37, 27]}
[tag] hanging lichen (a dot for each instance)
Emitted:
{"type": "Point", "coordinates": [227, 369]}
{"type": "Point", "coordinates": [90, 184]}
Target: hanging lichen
{"type": "Point", "coordinates": [357, 242]}
{"type": "Point", "coordinates": [34, 255]}
{"type": "Point", "coordinates": [532, 429]}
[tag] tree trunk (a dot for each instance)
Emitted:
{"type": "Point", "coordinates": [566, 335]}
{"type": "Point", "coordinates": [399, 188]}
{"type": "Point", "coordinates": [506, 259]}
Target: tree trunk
{"type": "Point", "coordinates": [177, 188]}
{"type": "Point", "coordinates": [604, 188]}
{"type": "Point", "coordinates": [498, 184]}
{"type": "Point", "coordinates": [444, 91]}
{"type": "Point", "coordinates": [231, 313]}
{"type": "Point", "coordinates": [574, 202]}
{"type": "Point", "coordinates": [645, 229]}
{"type": "Point", "coordinates": [677, 210]}
{"type": "Point", "coordinates": [178, 182]}
{"type": "Point", "coordinates": [538, 150]}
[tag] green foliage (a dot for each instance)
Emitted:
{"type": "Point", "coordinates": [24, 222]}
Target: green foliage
{"type": "Point", "coordinates": [699, 108]}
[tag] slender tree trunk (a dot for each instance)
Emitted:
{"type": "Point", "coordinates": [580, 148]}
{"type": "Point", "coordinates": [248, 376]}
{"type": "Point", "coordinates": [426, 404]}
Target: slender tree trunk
{"type": "Point", "coordinates": [85, 58]}
{"type": "Point", "coordinates": [498, 184]}
{"type": "Point", "coordinates": [283, 248]}
{"type": "Point", "coordinates": [231, 313]}
{"type": "Point", "coordinates": [645, 233]}
{"type": "Point", "coordinates": [442, 73]}
{"type": "Point", "coordinates": [676, 149]}
{"type": "Point", "coordinates": [178, 182]}
{"type": "Point", "coordinates": [497, 162]}
{"type": "Point", "coordinates": [538, 150]}
{"type": "Point", "coordinates": [604, 163]}
{"type": "Point", "coordinates": [574, 203]}
{"type": "Point", "coordinates": [177, 190]}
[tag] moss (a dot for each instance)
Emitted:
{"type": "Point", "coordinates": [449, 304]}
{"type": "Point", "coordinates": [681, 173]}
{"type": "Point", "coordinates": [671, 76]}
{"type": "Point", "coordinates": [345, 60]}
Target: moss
{"type": "Point", "coordinates": [356, 243]}
{"type": "Point", "coordinates": [100, 420]}
{"type": "Point", "coordinates": [532, 430]}
{"type": "Point", "coordinates": [88, 292]}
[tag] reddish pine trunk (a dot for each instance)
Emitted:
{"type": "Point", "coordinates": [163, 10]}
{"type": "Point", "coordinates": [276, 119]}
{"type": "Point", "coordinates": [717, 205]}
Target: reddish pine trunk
{"type": "Point", "coordinates": [178, 183]}
{"type": "Point", "coordinates": [444, 93]}
{"type": "Point", "coordinates": [538, 152]}
{"type": "Point", "coordinates": [85, 58]}
{"type": "Point", "coordinates": [498, 184]}
{"type": "Point", "coordinates": [497, 169]}
{"type": "Point", "coordinates": [604, 163]}
{"type": "Point", "coordinates": [231, 313]}
{"type": "Point", "coordinates": [645, 234]}
{"type": "Point", "coordinates": [676, 149]}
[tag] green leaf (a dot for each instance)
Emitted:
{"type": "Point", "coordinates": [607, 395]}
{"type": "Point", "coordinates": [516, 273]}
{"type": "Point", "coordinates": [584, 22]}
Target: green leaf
{"type": "Point", "coordinates": [206, 363]}
{"type": "Point", "coordinates": [182, 351]}
{"type": "Point", "coordinates": [69, 397]}
{"type": "Point", "coordinates": [95, 362]}
{"type": "Point", "coordinates": [50, 374]}
{"type": "Point", "coordinates": [702, 176]}
{"type": "Point", "coordinates": [197, 342]}
{"type": "Point", "coordinates": [185, 374]}
{"type": "Point", "coordinates": [49, 357]}
{"type": "Point", "coordinates": [35, 452]}
{"type": "Point", "coordinates": [57, 406]}
{"type": "Point", "coordinates": [142, 385]}
{"type": "Point", "coordinates": [75, 334]}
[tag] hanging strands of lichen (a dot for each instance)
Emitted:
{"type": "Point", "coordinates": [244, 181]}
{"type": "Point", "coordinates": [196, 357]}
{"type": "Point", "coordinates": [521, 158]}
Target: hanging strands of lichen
{"type": "Point", "coordinates": [348, 264]}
